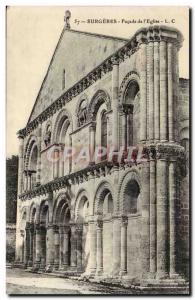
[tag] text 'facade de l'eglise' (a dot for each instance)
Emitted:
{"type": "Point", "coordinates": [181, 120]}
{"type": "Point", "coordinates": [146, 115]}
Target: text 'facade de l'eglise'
{"type": "Point", "coordinates": [83, 209]}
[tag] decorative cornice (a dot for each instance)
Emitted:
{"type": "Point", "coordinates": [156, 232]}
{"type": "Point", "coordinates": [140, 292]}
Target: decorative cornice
{"type": "Point", "coordinates": [78, 177]}
{"type": "Point", "coordinates": [144, 35]}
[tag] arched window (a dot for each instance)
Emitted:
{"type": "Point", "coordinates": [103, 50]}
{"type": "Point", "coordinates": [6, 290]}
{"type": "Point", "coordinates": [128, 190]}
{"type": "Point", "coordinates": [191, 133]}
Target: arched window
{"type": "Point", "coordinates": [104, 130]}
{"type": "Point", "coordinates": [62, 165]}
{"type": "Point", "coordinates": [108, 204]}
{"type": "Point", "coordinates": [82, 113]}
{"type": "Point", "coordinates": [32, 168]}
{"type": "Point", "coordinates": [47, 137]}
{"type": "Point", "coordinates": [131, 197]}
{"type": "Point", "coordinates": [131, 107]}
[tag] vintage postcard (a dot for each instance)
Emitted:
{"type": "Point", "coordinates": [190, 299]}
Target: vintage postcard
{"type": "Point", "coordinates": [98, 150]}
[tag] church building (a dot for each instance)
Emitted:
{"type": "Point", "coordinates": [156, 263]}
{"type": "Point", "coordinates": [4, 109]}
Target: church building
{"type": "Point", "coordinates": [103, 181]}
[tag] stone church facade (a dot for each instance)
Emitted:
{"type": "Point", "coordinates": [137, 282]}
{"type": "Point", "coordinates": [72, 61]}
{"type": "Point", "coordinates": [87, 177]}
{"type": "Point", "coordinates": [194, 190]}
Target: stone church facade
{"type": "Point", "coordinates": [99, 217]}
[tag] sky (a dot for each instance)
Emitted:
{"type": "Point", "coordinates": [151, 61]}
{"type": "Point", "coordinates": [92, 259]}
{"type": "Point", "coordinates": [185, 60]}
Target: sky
{"type": "Point", "coordinates": [32, 35]}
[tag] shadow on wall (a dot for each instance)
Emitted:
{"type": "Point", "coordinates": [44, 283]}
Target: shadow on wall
{"type": "Point", "coordinates": [10, 243]}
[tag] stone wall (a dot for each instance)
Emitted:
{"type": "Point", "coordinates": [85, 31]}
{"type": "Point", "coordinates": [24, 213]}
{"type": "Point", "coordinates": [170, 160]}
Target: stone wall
{"type": "Point", "coordinates": [183, 185]}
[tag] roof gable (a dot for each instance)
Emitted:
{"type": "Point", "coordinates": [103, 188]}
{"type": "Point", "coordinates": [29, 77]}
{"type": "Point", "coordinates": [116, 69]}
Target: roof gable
{"type": "Point", "coordinates": [76, 54]}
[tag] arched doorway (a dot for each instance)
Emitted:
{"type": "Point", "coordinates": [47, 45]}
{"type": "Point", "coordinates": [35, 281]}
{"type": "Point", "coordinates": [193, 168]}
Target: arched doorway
{"type": "Point", "coordinates": [44, 216]}
{"type": "Point", "coordinates": [32, 237]}
{"type": "Point", "coordinates": [104, 211]}
{"type": "Point", "coordinates": [23, 236]}
{"type": "Point", "coordinates": [62, 234]}
{"type": "Point", "coordinates": [131, 226]}
{"type": "Point", "coordinates": [81, 218]}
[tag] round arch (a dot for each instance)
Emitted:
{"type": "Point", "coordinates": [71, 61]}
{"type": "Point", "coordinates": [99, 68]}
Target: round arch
{"type": "Point", "coordinates": [32, 141]}
{"type": "Point", "coordinates": [130, 178]}
{"type": "Point", "coordinates": [82, 199]}
{"type": "Point", "coordinates": [63, 116]}
{"type": "Point", "coordinates": [43, 212]}
{"type": "Point", "coordinates": [103, 189]}
{"type": "Point", "coordinates": [81, 110]}
{"type": "Point", "coordinates": [61, 201]}
{"type": "Point", "coordinates": [131, 77]}
{"type": "Point", "coordinates": [100, 97]}
{"type": "Point", "coordinates": [32, 212]}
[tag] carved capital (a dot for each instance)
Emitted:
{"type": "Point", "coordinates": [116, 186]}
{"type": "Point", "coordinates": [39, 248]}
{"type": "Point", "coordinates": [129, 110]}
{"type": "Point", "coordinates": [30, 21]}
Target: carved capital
{"type": "Point", "coordinates": [56, 228]}
{"type": "Point", "coordinates": [27, 226]}
{"type": "Point", "coordinates": [152, 152]}
{"type": "Point", "coordinates": [99, 224]}
{"type": "Point", "coordinates": [50, 226]}
{"type": "Point", "coordinates": [92, 126]}
{"type": "Point", "coordinates": [124, 221]}
{"type": "Point", "coordinates": [79, 228]}
{"type": "Point", "coordinates": [37, 227]}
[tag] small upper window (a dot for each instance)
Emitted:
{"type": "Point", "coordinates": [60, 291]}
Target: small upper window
{"type": "Point", "coordinates": [47, 137]}
{"type": "Point", "coordinates": [63, 79]}
{"type": "Point", "coordinates": [104, 130]}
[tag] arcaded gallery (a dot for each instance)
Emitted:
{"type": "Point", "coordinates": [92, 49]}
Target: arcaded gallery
{"type": "Point", "coordinates": [90, 215]}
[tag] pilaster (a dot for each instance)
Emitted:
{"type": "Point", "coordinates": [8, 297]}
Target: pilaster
{"type": "Point", "coordinates": [115, 91]}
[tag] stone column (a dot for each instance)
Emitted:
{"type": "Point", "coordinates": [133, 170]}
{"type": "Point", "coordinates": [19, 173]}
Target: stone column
{"type": "Point", "coordinates": [73, 246]}
{"type": "Point", "coordinates": [163, 92]}
{"type": "Point", "coordinates": [124, 129]}
{"type": "Point", "coordinates": [150, 68]}
{"type": "Point", "coordinates": [116, 245]}
{"type": "Point", "coordinates": [79, 246]}
{"type": "Point", "coordinates": [92, 130]}
{"type": "Point", "coordinates": [31, 231]}
{"type": "Point", "coordinates": [57, 246]}
{"type": "Point", "coordinates": [170, 92]}
{"type": "Point", "coordinates": [28, 180]}
{"type": "Point", "coordinates": [130, 136]}
{"type": "Point", "coordinates": [175, 77]}
{"type": "Point", "coordinates": [144, 208]}
{"type": "Point", "coordinates": [61, 161]}
{"type": "Point", "coordinates": [25, 181]}
{"type": "Point", "coordinates": [50, 247]}
{"type": "Point", "coordinates": [38, 174]}
{"type": "Point", "coordinates": [172, 214]}
{"type": "Point", "coordinates": [56, 163]}
{"type": "Point", "coordinates": [99, 229]}
{"type": "Point", "coordinates": [43, 247]}
{"type": "Point", "coordinates": [20, 164]}
{"type": "Point", "coordinates": [143, 92]}
{"type": "Point", "coordinates": [124, 223]}
{"type": "Point", "coordinates": [162, 220]}
{"type": "Point", "coordinates": [22, 246]}
{"type": "Point", "coordinates": [27, 245]}
{"type": "Point", "coordinates": [61, 246]}
{"type": "Point", "coordinates": [66, 246]}
{"type": "Point", "coordinates": [115, 89]}
{"type": "Point", "coordinates": [152, 214]}
{"type": "Point", "coordinates": [156, 92]}
{"type": "Point", "coordinates": [93, 245]}
{"type": "Point", "coordinates": [38, 245]}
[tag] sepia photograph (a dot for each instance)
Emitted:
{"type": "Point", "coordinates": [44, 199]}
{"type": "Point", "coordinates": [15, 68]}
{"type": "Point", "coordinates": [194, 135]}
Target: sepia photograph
{"type": "Point", "coordinates": [97, 150]}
